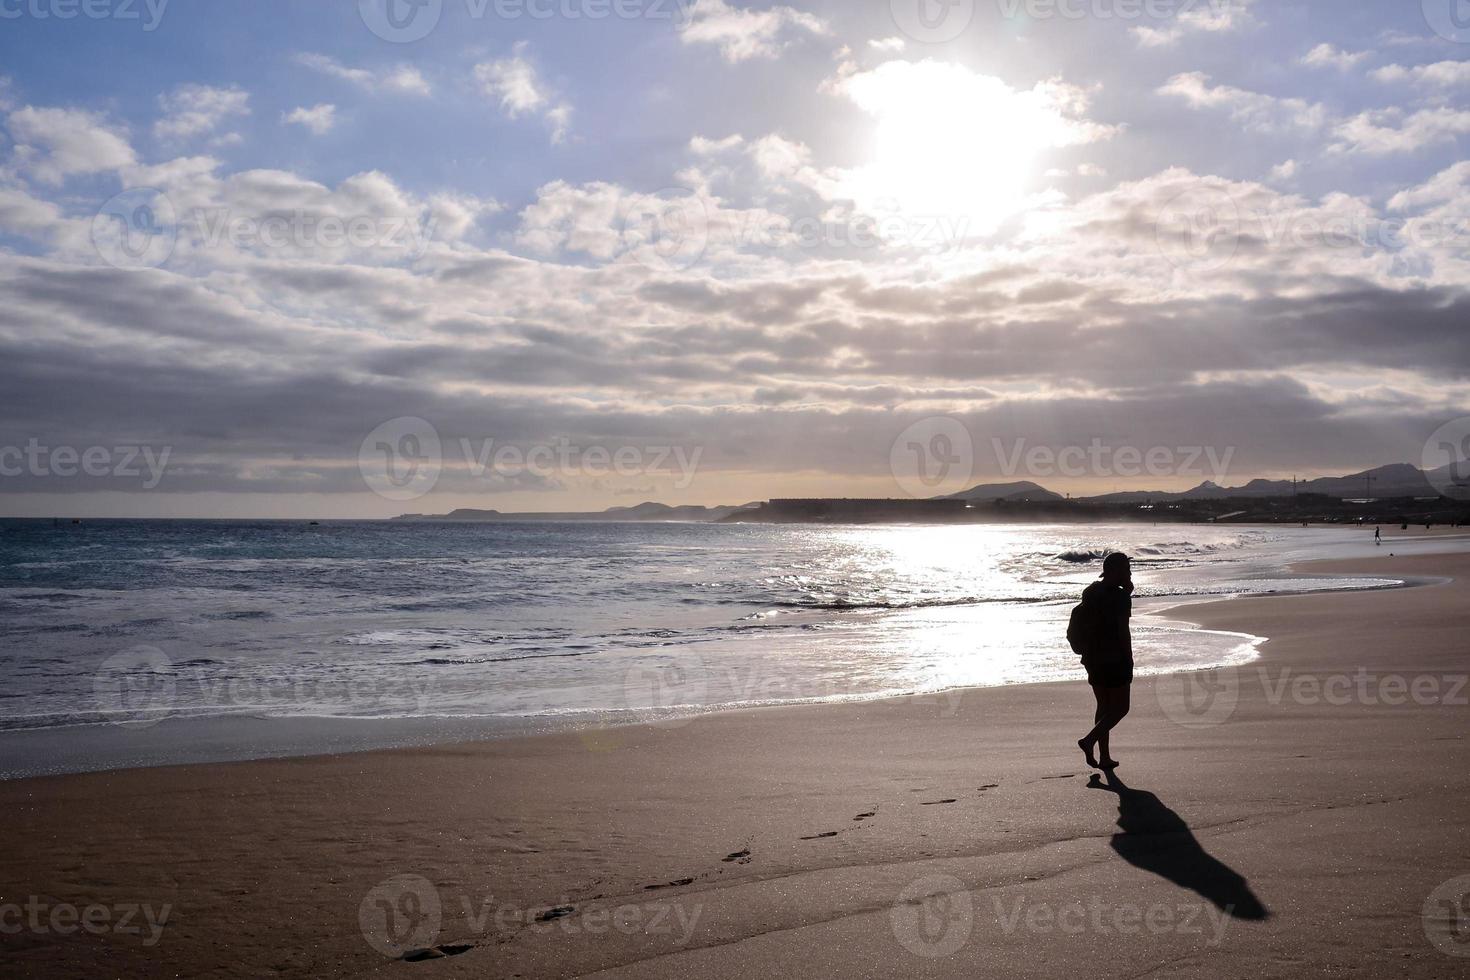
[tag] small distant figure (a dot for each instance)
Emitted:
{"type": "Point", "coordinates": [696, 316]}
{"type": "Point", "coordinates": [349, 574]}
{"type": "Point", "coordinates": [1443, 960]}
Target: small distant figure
{"type": "Point", "coordinates": [1378, 535]}
{"type": "Point", "coordinates": [1098, 632]}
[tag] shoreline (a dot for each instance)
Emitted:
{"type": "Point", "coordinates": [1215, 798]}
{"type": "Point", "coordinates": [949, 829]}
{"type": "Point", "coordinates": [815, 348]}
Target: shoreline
{"type": "Point", "coordinates": [108, 746]}
{"type": "Point", "coordinates": [794, 838]}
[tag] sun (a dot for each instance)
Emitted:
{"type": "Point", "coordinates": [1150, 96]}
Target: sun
{"type": "Point", "coordinates": [953, 143]}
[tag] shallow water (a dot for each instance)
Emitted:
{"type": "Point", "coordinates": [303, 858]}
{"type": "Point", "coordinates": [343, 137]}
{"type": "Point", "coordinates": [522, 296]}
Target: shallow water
{"type": "Point", "coordinates": [139, 621]}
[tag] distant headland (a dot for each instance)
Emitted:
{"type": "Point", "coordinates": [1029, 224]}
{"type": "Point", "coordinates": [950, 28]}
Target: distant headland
{"type": "Point", "coordinates": [1397, 493]}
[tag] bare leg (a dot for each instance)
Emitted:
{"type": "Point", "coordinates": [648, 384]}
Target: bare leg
{"type": "Point", "coordinates": [1098, 733]}
{"type": "Point", "coordinates": [1118, 704]}
{"type": "Point", "coordinates": [1112, 706]}
{"type": "Point", "coordinates": [1101, 718]}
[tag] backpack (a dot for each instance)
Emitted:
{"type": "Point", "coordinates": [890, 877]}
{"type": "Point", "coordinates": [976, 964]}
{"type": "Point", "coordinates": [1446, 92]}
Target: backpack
{"type": "Point", "coordinates": [1081, 629]}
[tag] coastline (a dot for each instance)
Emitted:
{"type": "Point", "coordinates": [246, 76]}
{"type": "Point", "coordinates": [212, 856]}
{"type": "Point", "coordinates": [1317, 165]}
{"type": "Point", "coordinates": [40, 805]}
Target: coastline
{"type": "Point", "coordinates": [795, 838]}
{"type": "Point", "coordinates": [187, 739]}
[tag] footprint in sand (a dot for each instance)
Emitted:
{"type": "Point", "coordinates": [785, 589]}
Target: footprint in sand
{"type": "Point", "coordinates": [864, 816]}
{"type": "Point", "coordinates": [741, 856]}
{"type": "Point", "coordinates": [937, 802]}
{"type": "Point", "coordinates": [555, 913]}
{"type": "Point", "coordinates": [988, 786]}
{"type": "Point", "coordinates": [676, 883]}
{"type": "Point", "coordinates": [1065, 775]}
{"type": "Point", "coordinates": [436, 952]}
{"type": "Point", "coordinates": [825, 833]}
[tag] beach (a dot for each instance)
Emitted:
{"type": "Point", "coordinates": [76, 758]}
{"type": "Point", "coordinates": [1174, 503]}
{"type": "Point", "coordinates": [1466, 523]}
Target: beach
{"type": "Point", "coordinates": [544, 490]}
{"type": "Point", "coordinates": [1289, 817]}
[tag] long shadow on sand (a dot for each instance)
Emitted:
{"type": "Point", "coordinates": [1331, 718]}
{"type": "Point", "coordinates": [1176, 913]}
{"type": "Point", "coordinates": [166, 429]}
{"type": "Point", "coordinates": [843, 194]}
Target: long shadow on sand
{"type": "Point", "coordinates": [1155, 838]}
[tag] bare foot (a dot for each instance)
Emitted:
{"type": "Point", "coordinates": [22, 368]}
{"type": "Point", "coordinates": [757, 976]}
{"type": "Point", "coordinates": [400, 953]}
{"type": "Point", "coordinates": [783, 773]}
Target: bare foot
{"type": "Point", "coordinates": [1086, 748]}
{"type": "Point", "coordinates": [1108, 764]}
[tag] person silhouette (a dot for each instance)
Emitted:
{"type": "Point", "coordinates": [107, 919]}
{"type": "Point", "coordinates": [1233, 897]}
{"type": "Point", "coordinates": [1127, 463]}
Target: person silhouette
{"type": "Point", "coordinates": [1378, 535]}
{"type": "Point", "coordinates": [1108, 658]}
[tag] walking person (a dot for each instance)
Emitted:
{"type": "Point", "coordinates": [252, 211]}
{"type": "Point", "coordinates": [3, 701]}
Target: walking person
{"type": "Point", "coordinates": [1107, 653]}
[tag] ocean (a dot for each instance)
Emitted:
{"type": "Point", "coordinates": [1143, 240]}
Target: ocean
{"type": "Point", "coordinates": [119, 634]}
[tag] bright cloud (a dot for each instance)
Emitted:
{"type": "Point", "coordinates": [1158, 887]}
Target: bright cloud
{"type": "Point", "coordinates": [1328, 56]}
{"type": "Point", "coordinates": [53, 144]}
{"type": "Point", "coordinates": [1256, 111]}
{"type": "Point", "coordinates": [744, 33]}
{"type": "Point", "coordinates": [705, 146]}
{"type": "Point", "coordinates": [1374, 132]}
{"type": "Point", "coordinates": [517, 87]}
{"type": "Point", "coordinates": [1283, 171]}
{"type": "Point", "coordinates": [403, 79]}
{"type": "Point", "coordinates": [194, 110]}
{"type": "Point", "coordinates": [319, 119]}
{"type": "Point", "coordinates": [1447, 185]}
{"type": "Point", "coordinates": [1441, 74]}
{"type": "Point", "coordinates": [1385, 131]}
{"type": "Point", "coordinates": [1210, 17]}
{"type": "Point", "coordinates": [25, 215]}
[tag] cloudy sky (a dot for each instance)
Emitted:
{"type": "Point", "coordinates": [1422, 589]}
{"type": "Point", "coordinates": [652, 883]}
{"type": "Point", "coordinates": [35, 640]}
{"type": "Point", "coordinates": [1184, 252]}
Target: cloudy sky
{"type": "Point", "coordinates": [338, 259]}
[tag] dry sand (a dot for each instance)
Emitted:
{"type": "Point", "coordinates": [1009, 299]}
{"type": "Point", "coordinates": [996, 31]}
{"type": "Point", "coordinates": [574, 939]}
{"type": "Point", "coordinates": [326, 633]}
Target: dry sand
{"type": "Point", "coordinates": [1269, 829]}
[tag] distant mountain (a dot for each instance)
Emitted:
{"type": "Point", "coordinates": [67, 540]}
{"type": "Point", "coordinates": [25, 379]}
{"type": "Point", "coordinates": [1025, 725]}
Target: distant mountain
{"type": "Point", "coordinates": [651, 511]}
{"type": "Point", "coordinates": [1393, 480]}
{"type": "Point", "coordinates": [986, 492]}
{"type": "Point", "coordinates": [647, 511]}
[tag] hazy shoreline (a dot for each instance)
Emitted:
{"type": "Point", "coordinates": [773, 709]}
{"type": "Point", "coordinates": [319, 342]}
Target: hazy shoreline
{"type": "Point", "coordinates": [248, 735]}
